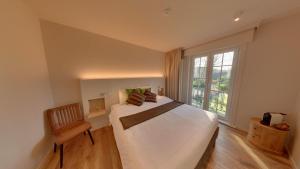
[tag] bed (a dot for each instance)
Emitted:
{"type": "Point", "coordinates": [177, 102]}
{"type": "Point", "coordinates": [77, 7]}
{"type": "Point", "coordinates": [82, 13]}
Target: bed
{"type": "Point", "coordinates": [181, 138]}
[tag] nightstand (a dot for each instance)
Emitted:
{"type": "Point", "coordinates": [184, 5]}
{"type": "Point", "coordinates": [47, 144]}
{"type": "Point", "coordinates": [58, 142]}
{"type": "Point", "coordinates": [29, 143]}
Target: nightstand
{"type": "Point", "coordinates": [266, 137]}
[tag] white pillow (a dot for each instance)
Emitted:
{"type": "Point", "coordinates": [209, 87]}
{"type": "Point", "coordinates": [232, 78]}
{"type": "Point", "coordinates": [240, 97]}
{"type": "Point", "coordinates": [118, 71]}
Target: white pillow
{"type": "Point", "coordinates": [123, 96]}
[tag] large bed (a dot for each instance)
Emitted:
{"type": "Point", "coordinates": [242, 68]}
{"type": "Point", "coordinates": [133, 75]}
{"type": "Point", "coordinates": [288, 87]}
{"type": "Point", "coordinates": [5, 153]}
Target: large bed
{"type": "Point", "coordinates": [177, 139]}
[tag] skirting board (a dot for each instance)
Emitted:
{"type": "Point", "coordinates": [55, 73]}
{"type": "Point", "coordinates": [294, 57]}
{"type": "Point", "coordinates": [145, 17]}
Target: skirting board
{"type": "Point", "coordinates": [45, 161]}
{"type": "Point", "coordinates": [293, 163]}
{"type": "Point", "coordinates": [99, 121]}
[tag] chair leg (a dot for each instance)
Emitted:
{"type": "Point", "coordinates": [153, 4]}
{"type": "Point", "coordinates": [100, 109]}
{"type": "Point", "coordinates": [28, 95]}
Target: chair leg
{"type": "Point", "coordinates": [54, 148]}
{"type": "Point", "coordinates": [61, 155]}
{"type": "Point", "coordinates": [91, 137]}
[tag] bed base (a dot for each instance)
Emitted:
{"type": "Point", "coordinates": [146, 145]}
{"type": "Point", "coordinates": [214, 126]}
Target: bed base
{"type": "Point", "coordinates": [202, 164]}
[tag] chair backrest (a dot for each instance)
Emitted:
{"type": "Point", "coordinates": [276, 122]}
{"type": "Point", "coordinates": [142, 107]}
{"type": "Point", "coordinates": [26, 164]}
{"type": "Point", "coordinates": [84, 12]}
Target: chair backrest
{"type": "Point", "coordinates": [64, 117]}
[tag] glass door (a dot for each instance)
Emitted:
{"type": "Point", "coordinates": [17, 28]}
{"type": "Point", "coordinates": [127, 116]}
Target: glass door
{"type": "Point", "coordinates": [211, 82]}
{"type": "Point", "coordinates": [199, 81]}
{"type": "Point", "coordinates": [219, 92]}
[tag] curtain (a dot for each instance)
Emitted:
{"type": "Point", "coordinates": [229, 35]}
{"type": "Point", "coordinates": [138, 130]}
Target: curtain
{"type": "Point", "coordinates": [172, 73]}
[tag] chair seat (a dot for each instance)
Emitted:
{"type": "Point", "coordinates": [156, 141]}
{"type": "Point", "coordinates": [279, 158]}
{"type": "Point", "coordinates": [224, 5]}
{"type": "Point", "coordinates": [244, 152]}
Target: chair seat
{"type": "Point", "coordinates": [68, 134]}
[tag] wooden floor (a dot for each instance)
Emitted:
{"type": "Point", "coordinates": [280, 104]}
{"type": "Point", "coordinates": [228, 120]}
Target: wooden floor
{"type": "Point", "coordinates": [231, 152]}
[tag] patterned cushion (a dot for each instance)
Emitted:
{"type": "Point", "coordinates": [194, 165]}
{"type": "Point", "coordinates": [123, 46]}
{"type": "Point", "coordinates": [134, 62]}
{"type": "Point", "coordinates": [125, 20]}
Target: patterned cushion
{"type": "Point", "coordinates": [143, 90]}
{"type": "Point", "coordinates": [150, 97]}
{"type": "Point", "coordinates": [137, 90]}
{"type": "Point", "coordinates": [130, 91]}
{"type": "Point", "coordinates": [136, 98]}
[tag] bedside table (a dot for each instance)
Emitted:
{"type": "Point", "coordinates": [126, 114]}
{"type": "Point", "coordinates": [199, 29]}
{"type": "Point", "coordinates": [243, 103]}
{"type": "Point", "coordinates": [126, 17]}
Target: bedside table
{"type": "Point", "coordinates": [266, 137]}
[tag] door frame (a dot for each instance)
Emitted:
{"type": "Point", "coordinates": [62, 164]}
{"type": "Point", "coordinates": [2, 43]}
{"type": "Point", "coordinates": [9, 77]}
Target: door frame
{"type": "Point", "coordinates": [208, 82]}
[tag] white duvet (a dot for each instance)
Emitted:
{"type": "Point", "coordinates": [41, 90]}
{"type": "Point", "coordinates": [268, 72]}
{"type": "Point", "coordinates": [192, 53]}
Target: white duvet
{"type": "Point", "coordinates": [176, 139]}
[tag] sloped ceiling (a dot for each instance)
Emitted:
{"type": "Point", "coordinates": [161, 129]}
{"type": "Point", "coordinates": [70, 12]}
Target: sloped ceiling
{"type": "Point", "coordinates": [143, 23]}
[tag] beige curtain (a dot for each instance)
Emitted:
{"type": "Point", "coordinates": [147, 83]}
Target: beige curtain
{"type": "Point", "coordinates": [172, 73]}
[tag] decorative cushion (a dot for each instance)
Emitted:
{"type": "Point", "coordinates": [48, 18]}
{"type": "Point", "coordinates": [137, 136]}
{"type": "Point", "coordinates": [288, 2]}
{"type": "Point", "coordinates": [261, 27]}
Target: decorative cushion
{"type": "Point", "coordinates": [149, 96]}
{"type": "Point", "coordinates": [136, 98]}
{"type": "Point", "coordinates": [149, 93]}
{"type": "Point", "coordinates": [143, 90]}
{"type": "Point", "coordinates": [137, 90]}
{"type": "Point", "coordinates": [134, 90]}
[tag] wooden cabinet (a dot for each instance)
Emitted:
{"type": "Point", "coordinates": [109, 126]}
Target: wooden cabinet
{"type": "Point", "coordinates": [266, 137]}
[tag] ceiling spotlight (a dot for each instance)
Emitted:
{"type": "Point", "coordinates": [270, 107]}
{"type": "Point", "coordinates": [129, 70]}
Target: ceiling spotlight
{"type": "Point", "coordinates": [237, 16]}
{"type": "Point", "coordinates": [237, 19]}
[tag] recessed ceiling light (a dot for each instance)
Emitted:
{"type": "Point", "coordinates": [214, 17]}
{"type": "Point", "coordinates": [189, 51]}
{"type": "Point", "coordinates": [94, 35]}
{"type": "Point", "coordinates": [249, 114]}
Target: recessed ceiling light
{"type": "Point", "coordinates": [237, 19]}
{"type": "Point", "coordinates": [237, 16]}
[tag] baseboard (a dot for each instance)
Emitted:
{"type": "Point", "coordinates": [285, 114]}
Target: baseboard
{"type": "Point", "coordinates": [293, 163]}
{"type": "Point", "coordinates": [99, 122]}
{"type": "Point", "coordinates": [227, 124]}
{"type": "Point", "coordinates": [45, 161]}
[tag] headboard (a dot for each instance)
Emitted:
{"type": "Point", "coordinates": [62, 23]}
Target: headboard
{"type": "Point", "coordinates": [109, 89]}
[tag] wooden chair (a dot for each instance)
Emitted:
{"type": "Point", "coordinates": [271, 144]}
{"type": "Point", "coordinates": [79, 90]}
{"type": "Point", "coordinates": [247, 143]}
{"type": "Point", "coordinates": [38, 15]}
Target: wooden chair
{"type": "Point", "coordinates": [66, 122]}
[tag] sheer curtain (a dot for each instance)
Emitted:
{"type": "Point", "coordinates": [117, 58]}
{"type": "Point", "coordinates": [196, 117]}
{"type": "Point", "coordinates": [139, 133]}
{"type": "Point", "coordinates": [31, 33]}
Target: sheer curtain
{"type": "Point", "coordinates": [172, 73]}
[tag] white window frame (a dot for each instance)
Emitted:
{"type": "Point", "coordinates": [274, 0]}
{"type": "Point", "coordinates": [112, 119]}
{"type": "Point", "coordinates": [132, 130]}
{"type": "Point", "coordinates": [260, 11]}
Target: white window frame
{"type": "Point", "coordinates": [210, 56]}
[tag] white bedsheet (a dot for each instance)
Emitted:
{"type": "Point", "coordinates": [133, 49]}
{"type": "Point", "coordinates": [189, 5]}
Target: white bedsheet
{"type": "Point", "coordinates": [174, 140]}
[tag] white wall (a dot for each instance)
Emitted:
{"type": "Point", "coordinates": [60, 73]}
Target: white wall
{"type": "Point", "coordinates": [295, 140]}
{"type": "Point", "coordinates": [271, 75]}
{"type": "Point", "coordinates": [25, 90]}
{"type": "Point", "coordinates": [73, 54]}
{"type": "Point", "coordinates": [270, 72]}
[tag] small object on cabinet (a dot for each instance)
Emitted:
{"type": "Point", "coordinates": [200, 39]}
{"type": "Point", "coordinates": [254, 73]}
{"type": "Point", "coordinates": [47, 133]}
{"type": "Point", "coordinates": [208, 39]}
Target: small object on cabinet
{"type": "Point", "coordinates": [272, 118]}
{"type": "Point", "coordinates": [266, 119]}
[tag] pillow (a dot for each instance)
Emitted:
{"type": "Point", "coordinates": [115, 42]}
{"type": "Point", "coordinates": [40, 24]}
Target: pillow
{"type": "Point", "coordinates": [124, 93]}
{"type": "Point", "coordinates": [134, 90]}
{"type": "Point", "coordinates": [123, 96]}
{"type": "Point", "coordinates": [136, 98]}
{"type": "Point", "coordinates": [150, 97]}
{"type": "Point", "coordinates": [137, 90]}
{"type": "Point", "coordinates": [143, 90]}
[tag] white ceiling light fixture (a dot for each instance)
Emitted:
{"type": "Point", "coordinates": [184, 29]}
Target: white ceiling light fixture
{"type": "Point", "coordinates": [237, 16]}
{"type": "Point", "coordinates": [237, 19]}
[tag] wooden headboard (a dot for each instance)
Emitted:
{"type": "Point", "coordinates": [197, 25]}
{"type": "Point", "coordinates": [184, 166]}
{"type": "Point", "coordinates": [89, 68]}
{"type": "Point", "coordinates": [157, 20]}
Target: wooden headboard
{"type": "Point", "coordinates": [109, 89]}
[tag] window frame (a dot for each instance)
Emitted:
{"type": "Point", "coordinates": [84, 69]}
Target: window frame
{"type": "Point", "coordinates": [208, 82]}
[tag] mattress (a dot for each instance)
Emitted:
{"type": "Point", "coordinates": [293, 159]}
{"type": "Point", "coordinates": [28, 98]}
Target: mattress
{"type": "Point", "coordinates": [176, 139]}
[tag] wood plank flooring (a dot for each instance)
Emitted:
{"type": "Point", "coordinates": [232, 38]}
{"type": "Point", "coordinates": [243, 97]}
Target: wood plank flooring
{"type": "Point", "coordinates": [231, 152]}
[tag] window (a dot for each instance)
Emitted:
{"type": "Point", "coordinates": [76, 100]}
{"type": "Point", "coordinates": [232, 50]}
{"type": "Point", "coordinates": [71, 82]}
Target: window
{"type": "Point", "coordinates": [211, 81]}
{"type": "Point", "coordinates": [199, 81]}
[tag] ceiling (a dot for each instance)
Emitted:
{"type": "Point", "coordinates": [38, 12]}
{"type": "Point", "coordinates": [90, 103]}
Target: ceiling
{"type": "Point", "coordinates": [143, 23]}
